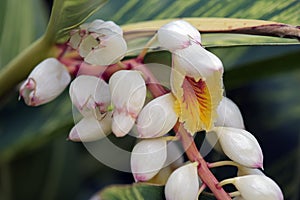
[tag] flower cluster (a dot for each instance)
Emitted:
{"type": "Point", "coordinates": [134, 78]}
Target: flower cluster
{"type": "Point", "coordinates": [118, 104]}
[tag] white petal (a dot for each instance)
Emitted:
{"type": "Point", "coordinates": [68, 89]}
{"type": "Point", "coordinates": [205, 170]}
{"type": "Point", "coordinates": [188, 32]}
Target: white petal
{"type": "Point", "coordinates": [157, 117]}
{"type": "Point", "coordinates": [90, 94]}
{"type": "Point", "coordinates": [87, 45]}
{"type": "Point", "coordinates": [111, 50]}
{"type": "Point", "coordinates": [258, 187]}
{"type": "Point", "coordinates": [147, 158]}
{"type": "Point", "coordinates": [183, 183]}
{"type": "Point", "coordinates": [90, 129]}
{"type": "Point", "coordinates": [99, 25]}
{"type": "Point", "coordinates": [122, 123]}
{"type": "Point", "coordinates": [178, 35]}
{"type": "Point", "coordinates": [240, 146]}
{"type": "Point", "coordinates": [47, 80]}
{"type": "Point", "coordinates": [195, 61]}
{"type": "Point", "coordinates": [229, 115]}
{"type": "Point", "coordinates": [128, 93]}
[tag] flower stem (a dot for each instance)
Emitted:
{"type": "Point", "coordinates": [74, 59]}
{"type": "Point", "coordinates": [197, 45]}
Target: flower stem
{"type": "Point", "coordinates": [203, 171]}
{"type": "Point", "coordinates": [222, 163]}
{"type": "Point", "coordinates": [146, 47]}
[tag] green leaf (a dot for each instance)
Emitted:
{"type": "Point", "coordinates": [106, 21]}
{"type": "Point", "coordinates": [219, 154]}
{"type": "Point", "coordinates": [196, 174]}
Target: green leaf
{"type": "Point", "coordinates": [16, 14]}
{"type": "Point", "coordinates": [138, 191]}
{"type": "Point", "coordinates": [67, 15]}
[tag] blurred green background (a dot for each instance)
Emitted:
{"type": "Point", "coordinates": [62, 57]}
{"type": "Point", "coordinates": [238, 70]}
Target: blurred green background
{"type": "Point", "coordinates": [36, 162]}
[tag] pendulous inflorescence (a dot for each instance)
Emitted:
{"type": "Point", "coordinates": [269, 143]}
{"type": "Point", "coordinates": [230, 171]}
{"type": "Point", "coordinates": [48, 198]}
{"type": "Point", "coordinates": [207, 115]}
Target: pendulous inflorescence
{"type": "Point", "coordinates": [111, 96]}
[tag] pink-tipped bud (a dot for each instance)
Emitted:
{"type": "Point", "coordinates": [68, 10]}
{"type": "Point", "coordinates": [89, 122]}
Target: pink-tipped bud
{"type": "Point", "coordinates": [257, 187]}
{"type": "Point", "coordinates": [178, 35]}
{"type": "Point", "coordinates": [183, 183]}
{"type": "Point", "coordinates": [147, 158]}
{"type": "Point", "coordinates": [128, 94]}
{"type": "Point", "coordinates": [229, 115]}
{"type": "Point", "coordinates": [240, 146]}
{"type": "Point", "coordinates": [157, 118]}
{"type": "Point", "coordinates": [46, 81]}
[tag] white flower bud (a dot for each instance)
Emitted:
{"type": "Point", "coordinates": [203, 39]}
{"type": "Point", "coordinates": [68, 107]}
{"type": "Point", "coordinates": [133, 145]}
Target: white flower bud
{"type": "Point", "coordinates": [195, 61]}
{"type": "Point", "coordinates": [157, 117]}
{"type": "Point", "coordinates": [240, 146]}
{"type": "Point", "coordinates": [90, 129]}
{"type": "Point", "coordinates": [229, 115]}
{"type": "Point", "coordinates": [183, 183]}
{"type": "Point", "coordinates": [257, 187]}
{"type": "Point", "coordinates": [46, 81]}
{"type": "Point", "coordinates": [147, 158]}
{"type": "Point", "coordinates": [90, 95]}
{"type": "Point", "coordinates": [128, 93]}
{"type": "Point", "coordinates": [178, 35]}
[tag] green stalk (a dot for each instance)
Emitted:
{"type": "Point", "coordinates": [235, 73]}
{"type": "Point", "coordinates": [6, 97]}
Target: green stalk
{"type": "Point", "coordinates": [18, 69]}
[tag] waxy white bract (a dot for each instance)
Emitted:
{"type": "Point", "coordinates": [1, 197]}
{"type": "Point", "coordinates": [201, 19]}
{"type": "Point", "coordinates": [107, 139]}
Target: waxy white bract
{"type": "Point", "coordinates": [46, 81]}
{"type": "Point", "coordinates": [128, 93]}
{"type": "Point", "coordinates": [90, 95]}
{"type": "Point", "coordinates": [99, 42]}
{"type": "Point", "coordinates": [183, 183]}
{"type": "Point", "coordinates": [240, 146]}
{"type": "Point", "coordinates": [147, 158]}
{"type": "Point", "coordinates": [178, 35]}
{"type": "Point", "coordinates": [90, 129]}
{"type": "Point", "coordinates": [195, 61]}
{"type": "Point", "coordinates": [229, 115]}
{"type": "Point", "coordinates": [257, 187]}
{"type": "Point", "coordinates": [157, 117]}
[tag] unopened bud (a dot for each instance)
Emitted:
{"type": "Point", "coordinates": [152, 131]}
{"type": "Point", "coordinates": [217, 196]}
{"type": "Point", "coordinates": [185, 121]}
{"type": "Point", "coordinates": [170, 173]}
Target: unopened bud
{"type": "Point", "coordinates": [147, 158]}
{"type": "Point", "coordinates": [240, 146]}
{"type": "Point", "coordinates": [183, 183]}
{"type": "Point", "coordinates": [46, 81]}
{"type": "Point", "coordinates": [178, 35]}
{"type": "Point", "coordinates": [257, 187]}
{"type": "Point", "coordinates": [157, 117]}
{"type": "Point", "coordinates": [229, 115]}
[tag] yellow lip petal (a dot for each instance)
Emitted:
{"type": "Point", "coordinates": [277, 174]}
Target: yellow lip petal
{"type": "Point", "coordinates": [197, 101]}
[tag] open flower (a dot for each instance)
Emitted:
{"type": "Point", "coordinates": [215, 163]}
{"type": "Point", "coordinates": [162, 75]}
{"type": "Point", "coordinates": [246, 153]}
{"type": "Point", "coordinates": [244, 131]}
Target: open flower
{"type": "Point", "coordinates": [46, 81]}
{"type": "Point", "coordinates": [128, 94]}
{"type": "Point", "coordinates": [196, 77]}
{"type": "Point", "coordinates": [99, 42]}
{"type": "Point", "coordinates": [90, 129]}
{"type": "Point", "coordinates": [91, 96]}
